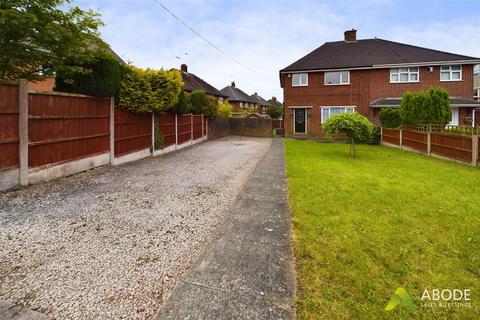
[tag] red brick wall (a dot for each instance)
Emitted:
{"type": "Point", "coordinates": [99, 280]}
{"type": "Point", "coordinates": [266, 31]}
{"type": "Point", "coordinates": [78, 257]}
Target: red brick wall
{"type": "Point", "coordinates": [365, 86]}
{"type": "Point", "coordinates": [44, 85]}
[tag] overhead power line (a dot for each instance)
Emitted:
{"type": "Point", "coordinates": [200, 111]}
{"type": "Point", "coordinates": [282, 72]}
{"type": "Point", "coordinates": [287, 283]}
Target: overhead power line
{"type": "Point", "coordinates": [201, 37]}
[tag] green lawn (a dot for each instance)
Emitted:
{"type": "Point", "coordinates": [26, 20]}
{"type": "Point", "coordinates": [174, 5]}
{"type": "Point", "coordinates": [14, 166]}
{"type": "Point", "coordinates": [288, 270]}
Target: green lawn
{"type": "Point", "coordinates": [364, 227]}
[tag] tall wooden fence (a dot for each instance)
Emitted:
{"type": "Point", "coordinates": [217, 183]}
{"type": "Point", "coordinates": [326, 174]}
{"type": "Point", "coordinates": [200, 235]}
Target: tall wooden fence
{"type": "Point", "coordinates": [45, 135]}
{"type": "Point", "coordinates": [448, 142]}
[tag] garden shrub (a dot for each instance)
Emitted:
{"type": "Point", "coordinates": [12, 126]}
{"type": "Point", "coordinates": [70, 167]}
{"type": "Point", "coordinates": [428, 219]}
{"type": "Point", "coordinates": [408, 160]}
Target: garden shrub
{"type": "Point", "coordinates": [99, 77]}
{"type": "Point", "coordinates": [275, 112]}
{"type": "Point", "coordinates": [183, 105]}
{"type": "Point", "coordinates": [203, 104]}
{"type": "Point", "coordinates": [390, 118]}
{"type": "Point", "coordinates": [225, 110]}
{"type": "Point", "coordinates": [426, 107]}
{"type": "Point", "coordinates": [355, 126]}
{"type": "Point", "coordinates": [150, 90]}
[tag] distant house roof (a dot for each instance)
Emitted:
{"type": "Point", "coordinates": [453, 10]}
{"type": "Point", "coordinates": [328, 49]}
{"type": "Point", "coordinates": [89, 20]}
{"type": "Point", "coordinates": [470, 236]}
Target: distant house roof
{"type": "Point", "coordinates": [371, 53]}
{"type": "Point", "coordinates": [274, 102]}
{"type": "Point", "coordinates": [260, 100]}
{"type": "Point", "coordinates": [235, 94]}
{"type": "Point", "coordinates": [191, 82]}
{"type": "Point", "coordinates": [395, 102]}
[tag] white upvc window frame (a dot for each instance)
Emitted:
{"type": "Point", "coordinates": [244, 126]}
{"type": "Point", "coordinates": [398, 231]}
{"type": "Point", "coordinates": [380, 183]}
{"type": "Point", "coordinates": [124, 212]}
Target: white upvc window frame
{"type": "Point", "coordinates": [476, 94]}
{"type": "Point", "coordinates": [300, 83]}
{"type": "Point", "coordinates": [340, 77]}
{"type": "Point", "coordinates": [476, 70]}
{"type": "Point", "coordinates": [450, 71]}
{"type": "Point", "coordinates": [409, 71]}
{"type": "Point", "coordinates": [322, 108]}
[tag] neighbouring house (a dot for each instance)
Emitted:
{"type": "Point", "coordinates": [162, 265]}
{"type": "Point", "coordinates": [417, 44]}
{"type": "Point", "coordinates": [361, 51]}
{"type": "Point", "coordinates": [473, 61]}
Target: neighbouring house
{"type": "Point", "coordinates": [239, 100]}
{"type": "Point", "coordinates": [262, 103]}
{"type": "Point", "coordinates": [367, 75]}
{"type": "Point", "coordinates": [191, 82]}
{"type": "Point", "coordinates": [275, 103]}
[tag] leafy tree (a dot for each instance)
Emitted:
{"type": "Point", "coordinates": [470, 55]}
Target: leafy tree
{"type": "Point", "coordinates": [274, 112]}
{"type": "Point", "coordinates": [99, 77]}
{"type": "Point", "coordinates": [225, 110]}
{"type": "Point", "coordinates": [149, 90]}
{"type": "Point", "coordinates": [38, 36]}
{"type": "Point", "coordinates": [390, 118]}
{"type": "Point", "coordinates": [355, 126]}
{"type": "Point", "coordinates": [203, 104]}
{"type": "Point", "coordinates": [183, 105]}
{"type": "Point", "coordinates": [426, 107]}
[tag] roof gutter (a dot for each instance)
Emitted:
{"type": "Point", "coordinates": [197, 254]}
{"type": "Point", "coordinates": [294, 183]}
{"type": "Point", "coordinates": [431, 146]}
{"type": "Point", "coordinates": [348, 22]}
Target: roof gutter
{"type": "Point", "coordinates": [393, 65]}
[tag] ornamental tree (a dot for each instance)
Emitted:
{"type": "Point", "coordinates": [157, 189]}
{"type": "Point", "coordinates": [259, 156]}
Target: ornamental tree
{"type": "Point", "coordinates": [274, 112]}
{"type": "Point", "coordinates": [38, 36]}
{"type": "Point", "coordinates": [355, 126]}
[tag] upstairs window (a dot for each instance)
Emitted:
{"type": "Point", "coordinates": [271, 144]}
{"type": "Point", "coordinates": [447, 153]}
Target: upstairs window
{"type": "Point", "coordinates": [476, 70]}
{"type": "Point", "coordinates": [333, 78]}
{"type": "Point", "coordinates": [450, 73]}
{"type": "Point", "coordinates": [300, 79]}
{"type": "Point", "coordinates": [399, 75]}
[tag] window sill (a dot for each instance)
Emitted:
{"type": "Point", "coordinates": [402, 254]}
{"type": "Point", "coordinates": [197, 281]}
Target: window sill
{"type": "Point", "coordinates": [300, 85]}
{"type": "Point", "coordinates": [336, 84]}
{"type": "Point", "coordinates": [404, 82]}
{"type": "Point", "coordinates": [451, 80]}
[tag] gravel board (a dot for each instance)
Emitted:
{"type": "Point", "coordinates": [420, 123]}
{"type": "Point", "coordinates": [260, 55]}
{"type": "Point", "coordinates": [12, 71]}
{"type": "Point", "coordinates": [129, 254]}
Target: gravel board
{"type": "Point", "coordinates": [110, 243]}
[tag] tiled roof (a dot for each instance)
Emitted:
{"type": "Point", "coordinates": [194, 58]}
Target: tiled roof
{"type": "Point", "coordinates": [260, 100]}
{"type": "Point", "coordinates": [192, 82]}
{"type": "Point", "coordinates": [370, 53]}
{"type": "Point", "coordinates": [235, 94]}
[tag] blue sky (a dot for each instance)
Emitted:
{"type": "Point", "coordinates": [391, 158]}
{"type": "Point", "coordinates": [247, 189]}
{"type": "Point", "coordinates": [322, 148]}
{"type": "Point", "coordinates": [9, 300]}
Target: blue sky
{"type": "Point", "coordinates": [265, 36]}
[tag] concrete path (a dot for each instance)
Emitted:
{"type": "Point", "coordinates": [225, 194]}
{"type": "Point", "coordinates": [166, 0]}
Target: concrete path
{"type": "Point", "coordinates": [247, 271]}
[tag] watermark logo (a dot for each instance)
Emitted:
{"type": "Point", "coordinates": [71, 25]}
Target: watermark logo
{"type": "Point", "coordinates": [400, 297]}
{"type": "Point", "coordinates": [446, 298]}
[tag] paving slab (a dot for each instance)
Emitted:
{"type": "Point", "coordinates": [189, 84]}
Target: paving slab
{"type": "Point", "coordinates": [10, 311]}
{"type": "Point", "coordinates": [247, 270]}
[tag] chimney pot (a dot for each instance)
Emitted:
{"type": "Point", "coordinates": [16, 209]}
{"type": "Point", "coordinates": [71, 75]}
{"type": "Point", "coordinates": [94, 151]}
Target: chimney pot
{"type": "Point", "coordinates": [184, 67]}
{"type": "Point", "coordinates": [233, 84]}
{"type": "Point", "coordinates": [350, 35]}
{"type": "Point", "coordinates": [274, 99]}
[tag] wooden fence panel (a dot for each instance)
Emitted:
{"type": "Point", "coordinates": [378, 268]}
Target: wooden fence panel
{"type": "Point", "coordinates": [64, 128]}
{"type": "Point", "coordinates": [184, 128]}
{"type": "Point", "coordinates": [197, 127]}
{"type": "Point", "coordinates": [277, 124]}
{"type": "Point", "coordinates": [166, 127]}
{"type": "Point", "coordinates": [133, 131]}
{"type": "Point", "coordinates": [9, 139]}
{"type": "Point", "coordinates": [415, 140]}
{"type": "Point", "coordinates": [391, 136]}
{"type": "Point", "coordinates": [457, 147]}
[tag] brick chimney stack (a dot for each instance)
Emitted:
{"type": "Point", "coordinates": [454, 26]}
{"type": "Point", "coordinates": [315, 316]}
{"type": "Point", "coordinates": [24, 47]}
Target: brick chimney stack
{"type": "Point", "coordinates": [350, 35]}
{"type": "Point", "coordinates": [233, 84]}
{"type": "Point", "coordinates": [184, 68]}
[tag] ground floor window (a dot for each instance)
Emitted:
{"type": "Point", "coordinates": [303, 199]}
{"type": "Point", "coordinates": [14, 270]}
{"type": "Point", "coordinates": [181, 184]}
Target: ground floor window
{"type": "Point", "coordinates": [328, 112]}
{"type": "Point", "coordinates": [476, 94]}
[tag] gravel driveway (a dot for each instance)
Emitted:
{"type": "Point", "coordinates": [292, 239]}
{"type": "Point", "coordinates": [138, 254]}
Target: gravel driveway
{"type": "Point", "coordinates": [111, 243]}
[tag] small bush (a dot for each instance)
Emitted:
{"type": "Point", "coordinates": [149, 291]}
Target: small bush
{"type": "Point", "coordinates": [355, 126]}
{"type": "Point", "coordinates": [275, 112]}
{"type": "Point", "coordinates": [426, 107]}
{"type": "Point", "coordinates": [150, 90]}
{"type": "Point", "coordinates": [183, 105]}
{"type": "Point", "coordinates": [100, 77]}
{"type": "Point", "coordinates": [390, 118]}
{"type": "Point", "coordinates": [203, 104]}
{"type": "Point", "coordinates": [225, 110]}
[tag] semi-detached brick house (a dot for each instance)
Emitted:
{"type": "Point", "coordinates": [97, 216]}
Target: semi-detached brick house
{"type": "Point", "coordinates": [367, 75]}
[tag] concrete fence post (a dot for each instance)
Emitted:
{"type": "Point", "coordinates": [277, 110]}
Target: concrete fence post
{"type": "Point", "coordinates": [475, 147]}
{"type": "Point", "coordinates": [206, 129]}
{"type": "Point", "coordinates": [112, 130]}
{"type": "Point", "coordinates": [23, 131]}
{"type": "Point", "coordinates": [191, 128]}
{"type": "Point", "coordinates": [202, 125]}
{"type": "Point", "coordinates": [429, 140]}
{"type": "Point", "coordinates": [176, 131]}
{"type": "Point", "coordinates": [381, 134]}
{"type": "Point", "coordinates": [401, 137]}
